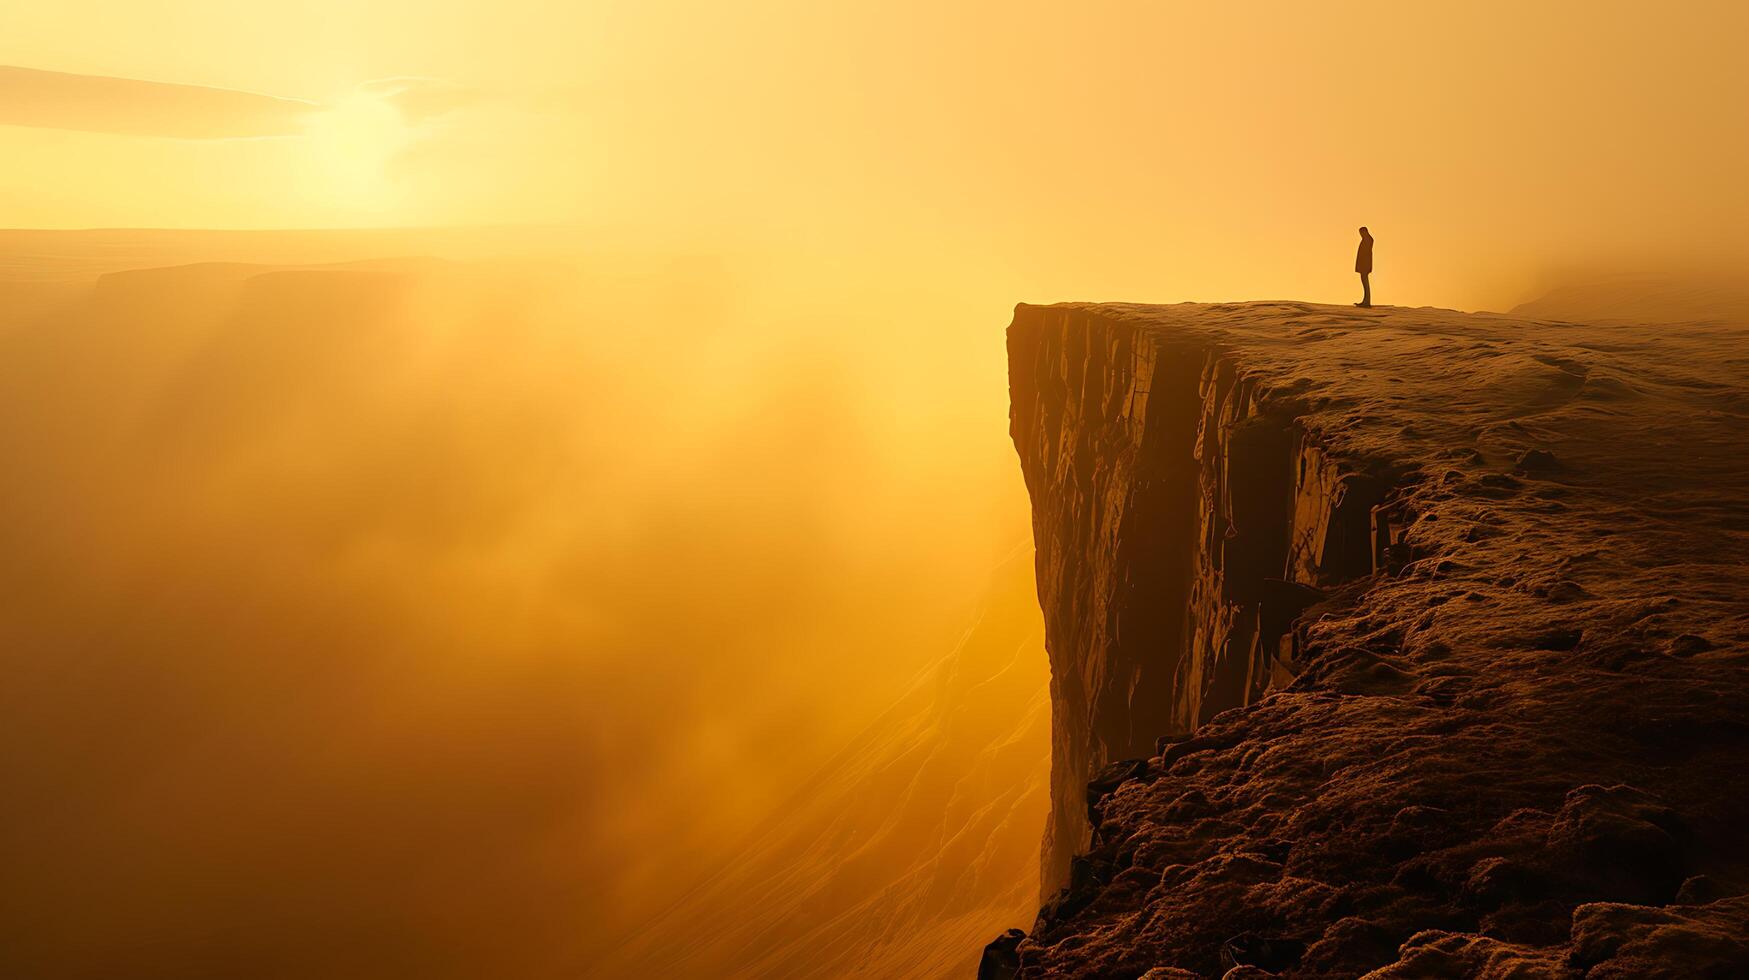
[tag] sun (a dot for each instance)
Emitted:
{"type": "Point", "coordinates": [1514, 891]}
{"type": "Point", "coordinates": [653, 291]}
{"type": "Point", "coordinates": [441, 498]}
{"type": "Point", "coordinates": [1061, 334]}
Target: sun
{"type": "Point", "coordinates": [354, 145]}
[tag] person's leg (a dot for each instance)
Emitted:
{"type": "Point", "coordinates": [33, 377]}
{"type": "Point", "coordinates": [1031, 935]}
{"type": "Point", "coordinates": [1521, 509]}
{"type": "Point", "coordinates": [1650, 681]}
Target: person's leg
{"type": "Point", "coordinates": [1365, 290]}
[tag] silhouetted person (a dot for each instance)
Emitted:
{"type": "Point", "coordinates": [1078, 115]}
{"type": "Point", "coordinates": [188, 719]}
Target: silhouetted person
{"type": "Point", "coordinates": [1363, 265]}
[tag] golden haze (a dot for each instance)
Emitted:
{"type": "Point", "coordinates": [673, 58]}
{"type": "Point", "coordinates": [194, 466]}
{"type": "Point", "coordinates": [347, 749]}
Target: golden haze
{"type": "Point", "coordinates": [1117, 149]}
{"type": "Point", "coordinates": [461, 607]}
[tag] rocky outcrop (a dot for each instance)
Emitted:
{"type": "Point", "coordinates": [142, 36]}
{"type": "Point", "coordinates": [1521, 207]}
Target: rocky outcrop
{"type": "Point", "coordinates": [1181, 525]}
{"type": "Point", "coordinates": [1395, 640]}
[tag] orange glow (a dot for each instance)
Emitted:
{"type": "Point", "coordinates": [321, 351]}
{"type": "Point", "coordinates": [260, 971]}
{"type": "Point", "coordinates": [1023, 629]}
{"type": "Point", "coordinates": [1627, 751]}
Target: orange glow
{"type": "Point", "coordinates": [1121, 148]}
{"type": "Point", "coordinates": [592, 421]}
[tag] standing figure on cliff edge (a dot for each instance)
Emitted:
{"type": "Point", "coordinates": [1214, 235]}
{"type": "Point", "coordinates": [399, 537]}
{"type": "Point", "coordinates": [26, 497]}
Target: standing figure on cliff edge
{"type": "Point", "coordinates": [1363, 265]}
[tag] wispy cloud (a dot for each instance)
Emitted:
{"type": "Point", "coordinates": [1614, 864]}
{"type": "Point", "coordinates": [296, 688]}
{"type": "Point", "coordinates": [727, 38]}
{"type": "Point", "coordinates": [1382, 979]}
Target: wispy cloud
{"type": "Point", "coordinates": [418, 98]}
{"type": "Point", "coordinates": [131, 106]}
{"type": "Point", "coordinates": [138, 107]}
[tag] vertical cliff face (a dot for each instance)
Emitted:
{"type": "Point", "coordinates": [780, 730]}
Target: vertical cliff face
{"type": "Point", "coordinates": [1106, 463]}
{"type": "Point", "coordinates": [1181, 524]}
{"type": "Point", "coordinates": [1397, 643]}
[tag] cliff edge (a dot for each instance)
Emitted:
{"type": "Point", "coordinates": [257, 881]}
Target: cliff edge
{"type": "Point", "coordinates": [1397, 642]}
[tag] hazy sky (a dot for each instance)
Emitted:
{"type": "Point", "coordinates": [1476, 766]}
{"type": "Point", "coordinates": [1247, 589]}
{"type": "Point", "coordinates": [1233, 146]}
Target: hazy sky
{"type": "Point", "coordinates": [744, 463]}
{"type": "Point", "coordinates": [1200, 150]}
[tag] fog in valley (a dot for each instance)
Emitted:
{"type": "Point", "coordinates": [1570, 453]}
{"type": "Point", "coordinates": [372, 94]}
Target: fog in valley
{"type": "Point", "coordinates": [524, 491]}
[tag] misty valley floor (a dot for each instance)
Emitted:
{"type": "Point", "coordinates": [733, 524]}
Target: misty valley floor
{"type": "Point", "coordinates": [1396, 642]}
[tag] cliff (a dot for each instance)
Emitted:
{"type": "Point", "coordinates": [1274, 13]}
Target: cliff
{"type": "Point", "coordinates": [1396, 640]}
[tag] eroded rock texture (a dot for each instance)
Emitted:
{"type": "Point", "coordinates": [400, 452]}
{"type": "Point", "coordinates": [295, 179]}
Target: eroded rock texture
{"type": "Point", "coordinates": [1394, 640]}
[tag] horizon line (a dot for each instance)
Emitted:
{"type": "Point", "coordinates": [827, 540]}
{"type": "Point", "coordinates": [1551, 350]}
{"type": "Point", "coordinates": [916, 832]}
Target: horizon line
{"type": "Point", "coordinates": [285, 228]}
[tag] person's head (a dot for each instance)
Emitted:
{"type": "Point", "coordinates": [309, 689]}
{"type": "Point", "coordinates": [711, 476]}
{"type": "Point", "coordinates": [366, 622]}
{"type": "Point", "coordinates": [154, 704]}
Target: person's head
{"type": "Point", "coordinates": [1364, 233]}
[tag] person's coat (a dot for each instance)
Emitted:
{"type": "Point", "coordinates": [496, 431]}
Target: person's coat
{"type": "Point", "coordinates": [1363, 256]}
